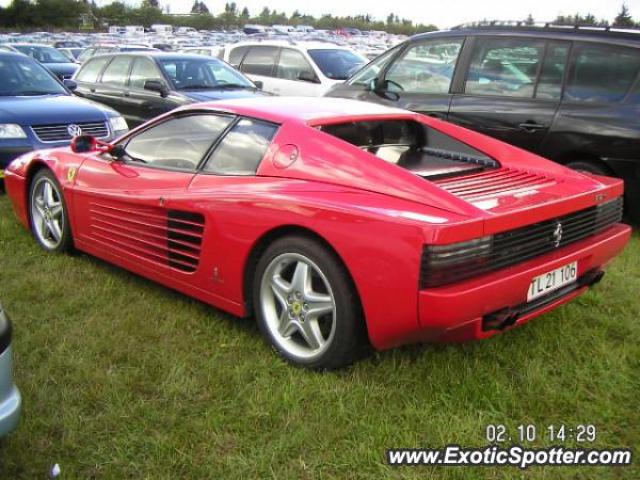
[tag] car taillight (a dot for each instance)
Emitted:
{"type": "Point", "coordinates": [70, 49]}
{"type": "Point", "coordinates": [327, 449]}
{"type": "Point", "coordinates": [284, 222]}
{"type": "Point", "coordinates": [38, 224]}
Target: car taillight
{"type": "Point", "coordinates": [442, 264]}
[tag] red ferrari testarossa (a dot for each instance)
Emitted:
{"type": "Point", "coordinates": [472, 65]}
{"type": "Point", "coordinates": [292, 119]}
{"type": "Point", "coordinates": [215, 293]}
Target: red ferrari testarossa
{"type": "Point", "coordinates": [335, 222]}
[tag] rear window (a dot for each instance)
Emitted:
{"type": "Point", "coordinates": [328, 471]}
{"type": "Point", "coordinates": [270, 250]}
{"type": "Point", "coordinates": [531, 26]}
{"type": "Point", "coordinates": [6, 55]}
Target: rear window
{"type": "Point", "coordinates": [259, 61]}
{"type": "Point", "coordinates": [414, 146]}
{"type": "Point", "coordinates": [90, 70]}
{"type": "Point", "coordinates": [602, 73]}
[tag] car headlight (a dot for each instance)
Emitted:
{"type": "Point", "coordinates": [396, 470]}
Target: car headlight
{"type": "Point", "coordinates": [11, 130]}
{"type": "Point", "coordinates": [118, 124]}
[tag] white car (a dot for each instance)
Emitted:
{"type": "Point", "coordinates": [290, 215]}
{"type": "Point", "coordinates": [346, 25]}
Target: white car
{"type": "Point", "coordinates": [296, 68]}
{"type": "Point", "coordinates": [215, 51]}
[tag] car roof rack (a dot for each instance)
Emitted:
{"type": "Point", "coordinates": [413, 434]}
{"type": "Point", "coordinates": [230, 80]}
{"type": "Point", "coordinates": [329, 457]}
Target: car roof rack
{"type": "Point", "coordinates": [269, 36]}
{"type": "Point", "coordinates": [544, 25]}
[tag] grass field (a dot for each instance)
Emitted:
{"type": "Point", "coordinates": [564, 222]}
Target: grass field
{"type": "Point", "coordinates": [122, 378]}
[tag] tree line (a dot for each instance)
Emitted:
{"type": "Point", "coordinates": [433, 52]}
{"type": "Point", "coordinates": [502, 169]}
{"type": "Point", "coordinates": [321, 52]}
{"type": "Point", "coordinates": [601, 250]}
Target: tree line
{"type": "Point", "coordinates": [67, 14]}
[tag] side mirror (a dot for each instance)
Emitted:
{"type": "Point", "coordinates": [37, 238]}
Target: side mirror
{"type": "Point", "coordinates": [307, 76]}
{"type": "Point", "coordinates": [156, 86]}
{"type": "Point", "coordinates": [70, 84]}
{"type": "Point", "coordinates": [259, 84]}
{"type": "Point", "coordinates": [84, 144]}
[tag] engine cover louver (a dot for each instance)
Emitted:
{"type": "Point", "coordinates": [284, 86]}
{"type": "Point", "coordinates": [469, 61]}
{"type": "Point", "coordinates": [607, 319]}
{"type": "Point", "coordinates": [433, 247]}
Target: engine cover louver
{"type": "Point", "coordinates": [168, 237]}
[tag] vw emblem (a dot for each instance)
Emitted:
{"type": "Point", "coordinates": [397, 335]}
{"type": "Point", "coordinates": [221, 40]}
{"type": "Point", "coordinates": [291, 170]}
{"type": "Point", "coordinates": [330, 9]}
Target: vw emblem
{"type": "Point", "coordinates": [557, 235]}
{"type": "Point", "coordinates": [74, 130]}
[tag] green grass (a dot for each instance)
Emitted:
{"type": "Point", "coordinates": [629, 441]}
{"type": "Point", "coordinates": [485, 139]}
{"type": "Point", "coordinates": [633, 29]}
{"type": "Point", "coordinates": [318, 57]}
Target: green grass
{"type": "Point", "coordinates": [123, 378]}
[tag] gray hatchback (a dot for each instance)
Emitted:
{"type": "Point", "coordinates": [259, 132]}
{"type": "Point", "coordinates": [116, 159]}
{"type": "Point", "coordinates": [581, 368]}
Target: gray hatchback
{"type": "Point", "coordinates": [10, 399]}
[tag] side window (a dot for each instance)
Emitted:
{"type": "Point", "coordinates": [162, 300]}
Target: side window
{"type": "Point", "coordinates": [552, 73]}
{"type": "Point", "coordinates": [507, 67]}
{"type": "Point", "coordinates": [86, 54]}
{"type": "Point", "coordinates": [242, 149]}
{"type": "Point", "coordinates": [602, 73]}
{"type": "Point", "coordinates": [425, 67]}
{"type": "Point", "coordinates": [143, 70]}
{"type": "Point", "coordinates": [236, 55]}
{"type": "Point", "coordinates": [91, 69]}
{"type": "Point", "coordinates": [117, 71]}
{"type": "Point", "coordinates": [373, 69]}
{"type": "Point", "coordinates": [178, 143]}
{"type": "Point", "coordinates": [293, 66]}
{"type": "Point", "coordinates": [259, 61]}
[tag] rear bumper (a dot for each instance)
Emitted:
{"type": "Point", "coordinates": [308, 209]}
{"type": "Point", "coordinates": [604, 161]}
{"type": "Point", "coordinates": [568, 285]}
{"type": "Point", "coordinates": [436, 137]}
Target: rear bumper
{"type": "Point", "coordinates": [456, 312]}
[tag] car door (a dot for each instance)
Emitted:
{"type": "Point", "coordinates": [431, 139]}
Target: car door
{"type": "Point", "coordinates": [142, 104]}
{"type": "Point", "coordinates": [417, 76]}
{"type": "Point", "coordinates": [512, 89]}
{"type": "Point", "coordinates": [110, 88]}
{"type": "Point", "coordinates": [134, 211]}
{"type": "Point", "coordinates": [259, 65]}
{"type": "Point", "coordinates": [88, 76]}
{"type": "Point", "coordinates": [294, 75]}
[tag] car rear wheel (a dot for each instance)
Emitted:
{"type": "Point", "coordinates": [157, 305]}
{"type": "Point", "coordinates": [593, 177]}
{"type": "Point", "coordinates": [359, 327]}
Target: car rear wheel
{"type": "Point", "coordinates": [306, 305]}
{"type": "Point", "coordinates": [49, 218]}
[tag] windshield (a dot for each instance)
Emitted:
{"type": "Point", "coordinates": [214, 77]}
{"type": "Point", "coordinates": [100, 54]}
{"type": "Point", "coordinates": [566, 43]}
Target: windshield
{"type": "Point", "coordinates": [203, 73]}
{"type": "Point", "coordinates": [337, 64]}
{"type": "Point", "coordinates": [43, 54]}
{"type": "Point", "coordinates": [22, 77]}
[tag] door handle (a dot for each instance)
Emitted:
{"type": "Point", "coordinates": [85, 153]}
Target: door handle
{"type": "Point", "coordinates": [92, 90]}
{"type": "Point", "coordinates": [530, 126]}
{"type": "Point", "coordinates": [127, 94]}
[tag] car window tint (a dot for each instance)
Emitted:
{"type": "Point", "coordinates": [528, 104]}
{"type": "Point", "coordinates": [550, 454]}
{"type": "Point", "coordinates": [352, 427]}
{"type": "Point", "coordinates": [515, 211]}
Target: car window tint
{"type": "Point", "coordinates": [292, 65]}
{"type": "Point", "coordinates": [117, 71]}
{"type": "Point", "coordinates": [236, 55]}
{"type": "Point", "coordinates": [91, 69]}
{"type": "Point", "coordinates": [373, 69]}
{"type": "Point", "coordinates": [242, 149]}
{"type": "Point", "coordinates": [259, 61]}
{"type": "Point", "coordinates": [143, 69]}
{"type": "Point", "coordinates": [552, 73]}
{"type": "Point", "coordinates": [425, 67]}
{"type": "Point", "coordinates": [506, 67]}
{"type": "Point", "coordinates": [602, 73]}
{"type": "Point", "coordinates": [179, 143]}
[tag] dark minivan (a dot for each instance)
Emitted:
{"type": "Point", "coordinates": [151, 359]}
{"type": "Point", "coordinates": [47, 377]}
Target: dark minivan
{"type": "Point", "coordinates": [568, 94]}
{"type": "Point", "coordinates": [144, 85]}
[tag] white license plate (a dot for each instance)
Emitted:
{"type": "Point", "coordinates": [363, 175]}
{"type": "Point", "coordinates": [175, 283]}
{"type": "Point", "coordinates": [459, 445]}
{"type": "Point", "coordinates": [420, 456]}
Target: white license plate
{"type": "Point", "coordinates": [553, 280]}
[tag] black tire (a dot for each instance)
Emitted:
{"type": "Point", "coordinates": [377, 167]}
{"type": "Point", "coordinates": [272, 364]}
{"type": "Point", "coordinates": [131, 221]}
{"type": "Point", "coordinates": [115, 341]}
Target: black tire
{"type": "Point", "coordinates": [588, 166]}
{"type": "Point", "coordinates": [346, 343]}
{"type": "Point", "coordinates": [52, 244]}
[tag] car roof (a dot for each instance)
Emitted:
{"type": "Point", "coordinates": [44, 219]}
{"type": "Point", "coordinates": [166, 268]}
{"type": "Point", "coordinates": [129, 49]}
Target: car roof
{"type": "Point", "coordinates": [159, 54]}
{"type": "Point", "coordinates": [308, 110]}
{"type": "Point", "coordinates": [594, 34]}
{"type": "Point", "coordinates": [301, 44]}
{"type": "Point", "coordinates": [6, 53]}
{"type": "Point", "coordinates": [39, 45]}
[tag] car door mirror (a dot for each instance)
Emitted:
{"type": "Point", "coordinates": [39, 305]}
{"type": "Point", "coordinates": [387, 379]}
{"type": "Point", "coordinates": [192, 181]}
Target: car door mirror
{"type": "Point", "coordinates": [70, 84]}
{"type": "Point", "coordinates": [259, 84]}
{"type": "Point", "coordinates": [156, 86]}
{"type": "Point", "coordinates": [307, 76]}
{"type": "Point", "coordinates": [84, 144]}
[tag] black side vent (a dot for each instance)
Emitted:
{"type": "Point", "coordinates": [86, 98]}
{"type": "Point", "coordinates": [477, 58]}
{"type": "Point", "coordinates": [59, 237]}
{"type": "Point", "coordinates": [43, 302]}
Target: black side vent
{"type": "Point", "coordinates": [184, 239]}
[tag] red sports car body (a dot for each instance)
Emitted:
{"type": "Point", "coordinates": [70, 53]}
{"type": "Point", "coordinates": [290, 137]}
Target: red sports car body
{"type": "Point", "coordinates": [444, 234]}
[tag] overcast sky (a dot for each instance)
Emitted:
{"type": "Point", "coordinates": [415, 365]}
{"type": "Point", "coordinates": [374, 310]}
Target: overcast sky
{"type": "Point", "coordinates": [442, 13]}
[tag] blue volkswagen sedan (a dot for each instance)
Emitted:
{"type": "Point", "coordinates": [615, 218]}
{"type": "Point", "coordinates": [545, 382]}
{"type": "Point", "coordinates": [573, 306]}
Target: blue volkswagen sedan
{"type": "Point", "coordinates": [37, 111]}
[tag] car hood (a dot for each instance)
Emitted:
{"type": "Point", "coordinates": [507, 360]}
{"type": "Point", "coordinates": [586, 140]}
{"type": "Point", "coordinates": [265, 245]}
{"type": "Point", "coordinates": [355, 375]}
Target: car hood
{"type": "Point", "coordinates": [206, 95]}
{"type": "Point", "coordinates": [47, 109]}
{"type": "Point", "coordinates": [62, 68]}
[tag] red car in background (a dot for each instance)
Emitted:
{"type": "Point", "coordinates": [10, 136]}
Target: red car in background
{"type": "Point", "coordinates": [335, 222]}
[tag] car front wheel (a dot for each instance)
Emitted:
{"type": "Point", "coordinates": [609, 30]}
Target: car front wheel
{"type": "Point", "coordinates": [49, 218]}
{"type": "Point", "coordinates": [306, 305]}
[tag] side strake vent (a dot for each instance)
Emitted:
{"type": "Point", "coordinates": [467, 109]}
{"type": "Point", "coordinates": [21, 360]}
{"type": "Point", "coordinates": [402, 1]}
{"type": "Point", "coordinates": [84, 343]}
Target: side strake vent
{"type": "Point", "coordinates": [494, 183]}
{"type": "Point", "coordinates": [165, 237]}
{"type": "Point", "coordinates": [185, 230]}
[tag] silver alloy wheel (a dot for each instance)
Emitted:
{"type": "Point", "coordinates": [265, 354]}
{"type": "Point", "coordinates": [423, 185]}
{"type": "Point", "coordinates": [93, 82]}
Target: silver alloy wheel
{"type": "Point", "coordinates": [298, 306]}
{"type": "Point", "coordinates": [47, 213]}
